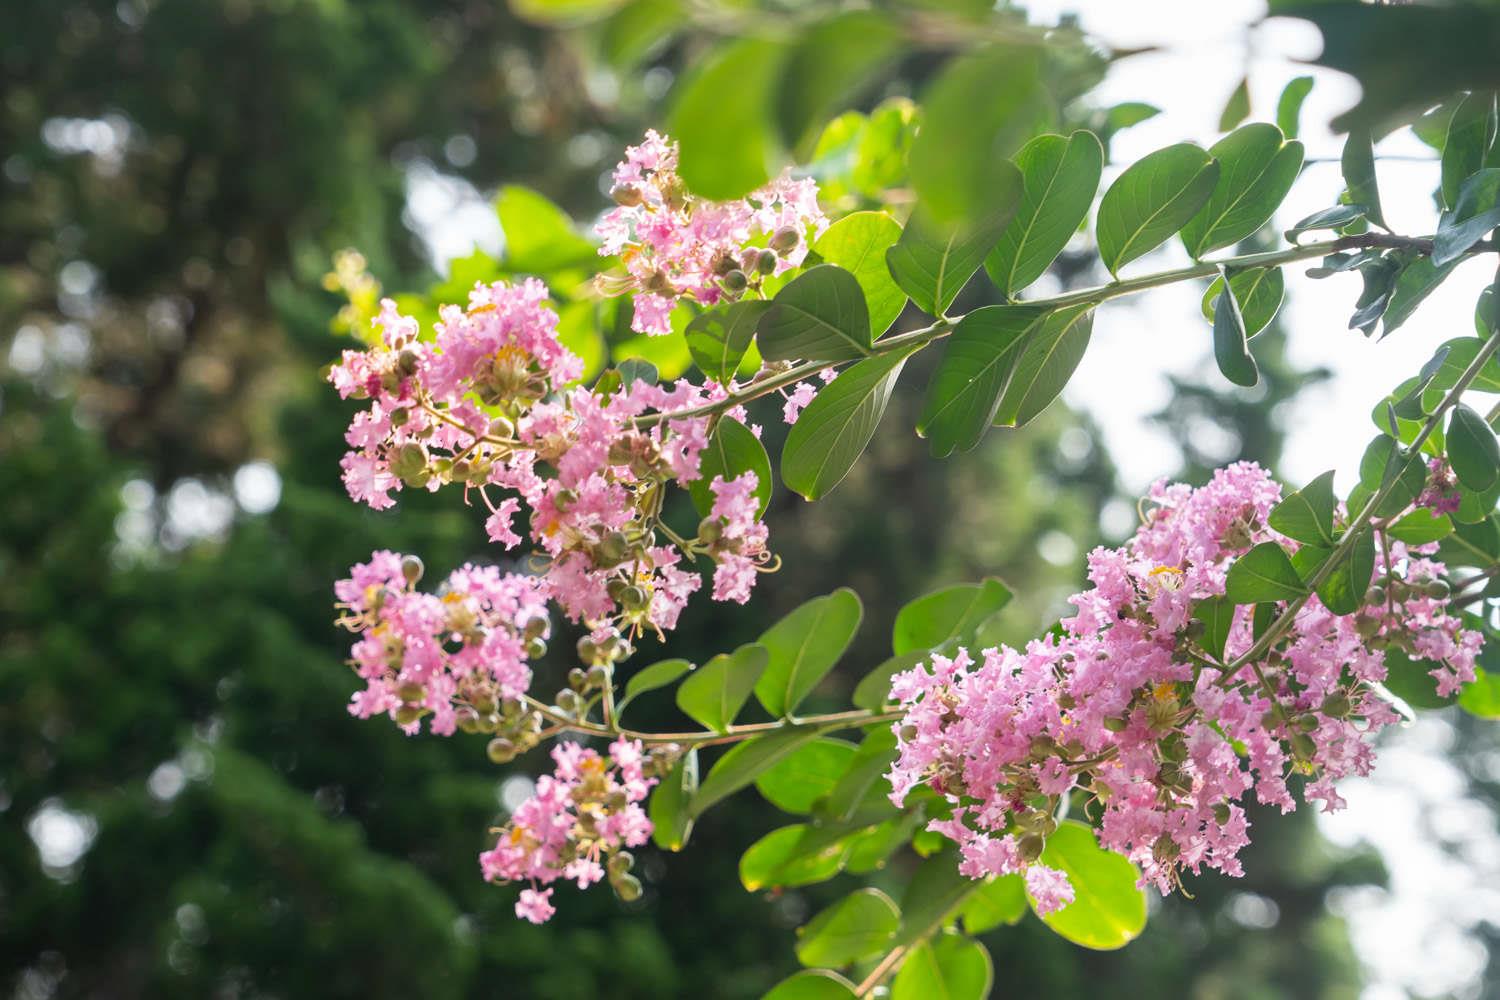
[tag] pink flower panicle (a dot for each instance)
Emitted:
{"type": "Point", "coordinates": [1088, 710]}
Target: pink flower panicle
{"type": "Point", "coordinates": [675, 246]}
{"type": "Point", "coordinates": [487, 405]}
{"type": "Point", "coordinates": [1127, 706]}
{"type": "Point", "coordinates": [577, 824]}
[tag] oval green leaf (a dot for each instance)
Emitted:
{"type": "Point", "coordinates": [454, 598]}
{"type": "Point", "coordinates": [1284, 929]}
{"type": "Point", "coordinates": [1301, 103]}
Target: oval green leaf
{"type": "Point", "coordinates": [858, 243]}
{"type": "Point", "coordinates": [668, 809]}
{"type": "Point", "coordinates": [1060, 177]}
{"type": "Point", "coordinates": [1258, 290]}
{"type": "Point", "coordinates": [819, 316]}
{"type": "Point", "coordinates": [744, 762]}
{"type": "Point", "coordinates": [949, 967]}
{"type": "Point", "coordinates": [951, 613]}
{"type": "Point", "coordinates": [1107, 911]}
{"type": "Point", "coordinates": [967, 386]}
{"type": "Point", "coordinates": [1307, 515]}
{"type": "Point", "coordinates": [1231, 350]}
{"type": "Point", "coordinates": [796, 782]}
{"type": "Point", "coordinates": [657, 675]}
{"type": "Point", "coordinates": [857, 926]}
{"type": "Point", "coordinates": [1053, 350]}
{"type": "Point", "coordinates": [1256, 169]}
{"type": "Point", "coordinates": [718, 338]}
{"type": "Point", "coordinates": [812, 984]}
{"type": "Point", "coordinates": [1151, 200]}
{"type": "Point", "coordinates": [1265, 573]}
{"type": "Point", "coordinates": [720, 119]}
{"type": "Point", "coordinates": [714, 694]}
{"type": "Point", "coordinates": [733, 450]}
{"type": "Point", "coordinates": [804, 646]}
{"type": "Point", "coordinates": [933, 262]}
{"type": "Point", "coordinates": [1472, 449]}
{"type": "Point", "coordinates": [799, 854]}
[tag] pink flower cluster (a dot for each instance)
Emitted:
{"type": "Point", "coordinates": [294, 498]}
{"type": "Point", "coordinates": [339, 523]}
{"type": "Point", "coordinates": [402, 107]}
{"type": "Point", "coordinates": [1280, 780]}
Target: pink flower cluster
{"type": "Point", "coordinates": [575, 826]}
{"type": "Point", "coordinates": [1166, 738]}
{"type": "Point", "coordinates": [439, 655]}
{"type": "Point", "coordinates": [487, 405]}
{"type": "Point", "coordinates": [676, 246]}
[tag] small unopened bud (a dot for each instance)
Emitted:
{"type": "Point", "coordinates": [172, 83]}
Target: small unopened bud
{"type": "Point", "coordinates": [501, 750]}
{"type": "Point", "coordinates": [611, 550]}
{"type": "Point", "coordinates": [627, 887]}
{"type": "Point", "coordinates": [468, 720]}
{"type": "Point", "coordinates": [588, 650]}
{"type": "Point", "coordinates": [626, 195]}
{"type": "Point", "coordinates": [407, 714]}
{"type": "Point", "coordinates": [785, 239]}
{"type": "Point", "coordinates": [406, 362]}
{"type": "Point", "coordinates": [765, 262]}
{"type": "Point", "coordinates": [1303, 747]}
{"type": "Point", "coordinates": [577, 679]}
{"type": "Point", "coordinates": [1221, 813]}
{"type": "Point", "coordinates": [1165, 850]}
{"type": "Point", "coordinates": [1400, 590]}
{"type": "Point", "coordinates": [1173, 749]}
{"type": "Point", "coordinates": [409, 460]}
{"type": "Point", "coordinates": [723, 264]}
{"type": "Point", "coordinates": [1366, 626]}
{"type": "Point", "coordinates": [1116, 724]}
{"type": "Point", "coordinates": [908, 732]}
{"type": "Point", "coordinates": [411, 569]}
{"type": "Point", "coordinates": [621, 862]}
{"type": "Point", "coordinates": [710, 530]}
{"type": "Point", "coordinates": [1195, 628]}
{"type": "Point", "coordinates": [563, 499]}
{"type": "Point", "coordinates": [1030, 847]}
{"type": "Point", "coordinates": [501, 427]}
{"type": "Point", "coordinates": [1375, 595]}
{"type": "Point", "coordinates": [1307, 723]}
{"type": "Point", "coordinates": [736, 281]}
{"type": "Point", "coordinates": [1436, 589]}
{"type": "Point", "coordinates": [633, 598]}
{"type": "Point", "coordinates": [535, 627]}
{"type": "Point", "coordinates": [597, 677]}
{"type": "Point", "coordinates": [1336, 705]}
{"type": "Point", "coordinates": [567, 700]}
{"type": "Point", "coordinates": [400, 416]}
{"type": "Point", "coordinates": [411, 692]}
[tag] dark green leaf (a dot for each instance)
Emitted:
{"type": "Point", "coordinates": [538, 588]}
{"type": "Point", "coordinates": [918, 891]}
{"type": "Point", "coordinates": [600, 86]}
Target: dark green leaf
{"type": "Point", "coordinates": [1258, 290]}
{"type": "Point", "coordinates": [833, 60]}
{"type": "Point", "coordinates": [934, 896]}
{"type": "Point", "coordinates": [835, 428]}
{"type": "Point", "coordinates": [1217, 616]}
{"type": "Point", "coordinates": [1471, 133]}
{"type": "Point", "coordinates": [813, 984]}
{"type": "Point", "coordinates": [857, 926]}
{"type": "Point", "coordinates": [1061, 176]}
{"type": "Point", "coordinates": [858, 243]}
{"type": "Point", "coordinates": [1231, 350]}
{"type": "Point", "coordinates": [1384, 463]}
{"type": "Point", "coordinates": [962, 139]}
{"type": "Point", "coordinates": [1420, 527]}
{"type": "Point", "coordinates": [800, 779]}
{"type": "Point", "coordinates": [633, 370]}
{"type": "Point", "coordinates": [1411, 680]}
{"type": "Point", "coordinates": [1417, 281]}
{"type": "Point", "coordinates": [1481, 696]}
{"type": "Point", "coordinates": [657, 675]}
{"type": "Point", "coordinates": [715, 692]}
{"type": "Point", "coordinates": [1289, 106]}
{"type": "Point", "coordinates": [1265, 573]}
{"type": "Point", "coordinates": [1264, 615]}
{"type": "Point", "coordinates": [1343, 592]}
{"type": "Point", "coordinates": [793, 855]}
{"type": "Point", "coordinates": [1461, 354]}
{"type": "Point", "coordinates": [539, 236]}
{"type": "Point", "coordinates": [949, 967]}
{"type": "Point", "coordinates": [744, 762]}
{"type": "Point", "coordinates": [965, 391]}
{"type": "Point", "coordinates": [999, 901]}
{"type": "Point", "coordinates": [1237, 108]}
{"type": "Point", "coordinates": [733, 450]}
{"type": "Point", "coordinates": [874, 690]}
{"type": "Point", "coordinates": [863, 782]}
{"type": "Point", "coordinates": [671, 822]}
{"type": "Point", "coordinates": [951, 613]}
{"type": "Point", "coordinates": [1307, 515]}
{"type": "Point", "coordinates": [720, 119]}
{"type": "Point", "coordinates": [1107, 911]}
{"type": "Point", "coordinates": [804, 646]}
{"type": "Point", "coordinates": [1475, 506]}
{"type": "Point", "coordinates": [1474, 214]}
{"type": "Point", "coordinates": [819, 316]}
{"type": "Point", "coordinates": [1053, 349]}
{"type": "Point", "coordinates": [1256, 170]}
{"type": "Point", "coordinates": [1329, 218]}
{"type": "Point", "coordinates": [719, 337]}
{"type": "Point", "coordinates": [1472, 449]}
{"type": "Point", "coordinates": [1151, 200]}
{"type": "Point", "coordinates": [1359, 174]}
{"type": "Point", "coordinates": [933, 262]}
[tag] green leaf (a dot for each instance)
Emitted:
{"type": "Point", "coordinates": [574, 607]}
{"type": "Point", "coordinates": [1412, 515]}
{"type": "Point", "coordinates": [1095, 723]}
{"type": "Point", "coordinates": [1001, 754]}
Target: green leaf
{"type": "Point", "coordinates": [539, 236]}
{"type": "Point", "coordinates": [800, 779]}
{"type": "Point", "coordinates": [1127, 114]}
{"type": "Point", "coordinates": [1217, 616]}
{"type": "Point", "coordinates": [1358, 163]}
{"type": "Point", "coordinates": [672, 824]}
{"type": "Point", "coordinates": [834, 58]}
{"type": "Point", "coordinates": [1472, 450]}
{"type": "Point", "coordinates": [874, 690]}
{"type": "Point", "coordinates": [813, 984]}
{"type": "Point", "coordinates": [1481, 696]}
{"type": "Point", "coordinates": [1151, 200]}
{"type": "Point", "coordinates": [733, 450]}
{"type": "Point", "coordinates": [966, 388]}
{"type": "Point", "coordinates": [657, 675]}
{"type": "Point", "coordinates": [1060, 177]}
{"type": "Point", "coordinates": [870, 849]}
{"type": "Point", "coordinates": [1258, 290]}
{"type": "Point", "coordinates": [638, 30]}
{"type": "Point", "coordinates": [1471, 133]}
{"type": "Point", "coordinates": [1329, 218]}
{"type": "Point", "coordinates": [1054, 347]}
{"type": "Point", "coordinates": [714, 693]}
{"type": "Point", "coordinates": [1461, 354]}
{"type": "Point", "coordinates": [794, 855]}
{"type": "Point", "coordinates": [1289, 106]}
{"type": "Point", "coordinates": [999, 901]}
{"type": "Point", "coordinates": [1307, 515]}
{"type": "Point", "coordinates": [1237, 108]}
{"type": "Point", "coordinates": [1420, 527]}
{"type": "Point", "coordinates": [1265, 573]}
{"type": "Point", "coordinates": [1411, 680]}
{"type": "Point", "coordinates": [933, 262]}
{"type": "Point", "coordinates": [1384, 462]}
{"type": "Point", "coordinates": [856, 927]}
{"type": "Point", "coordinates": [1231, 350]}
{"type": "Point", "coordinates": [947, 968]}
{"type": "Point", "coordinates": [804, 646]}
{"type": "Point", "coordinates": [1256, 170]}
{"type": "Point", "coordinates": [719, 337]}
{"type": "Point", "coordinates": [934, 896]}
{"type": "Point", "coordinates": [744, 762]}
{"type": "Point", "coordinates": [862, 783]}
{"type": "Point", "coordinates": [1475, 506]}
{"type": "Point", "coordinates": [1474, 214]}
{"type": "Point", "coordinates": [719, 119]}
{"type": "Point", "coordinates": [819, 316]}
{"type": "Point", "coordinates": [858, 243]}
{"type": "Point", "coordinates": [951, 613]}
{"type": "Point", "coordinates": [836, 427]}
{"type": "Point", "coordinates": [962, 139]}
{"type": "Point", "coordinates": [555, 13]}
{"type": "Point", "coordinates": [1343, 592]}
{"type": "Point", "coordinates": [1474, 543]}
{"type": "Point", "coordinates": [1417, 281]}
{"type": "Point", "coordinates": [1107, 911]}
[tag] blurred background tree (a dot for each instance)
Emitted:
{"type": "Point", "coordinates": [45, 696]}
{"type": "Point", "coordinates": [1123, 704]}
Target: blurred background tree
{"type": "Point", "coordinates": [187, 811]}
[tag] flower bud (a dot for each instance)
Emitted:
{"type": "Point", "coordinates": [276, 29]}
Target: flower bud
{"type": "Point", "coordinates": [501, 750]}
{"type": "Point", "coordinates": [563, 499]}
{"type": "Point", "coordinates": [400, 416]}
{"type": "Point", "coordinates": [468, 720]}
{"type": "Point", "coordinates": [611, 550]}
{"type": "Point", "coordinates": [785, 239]}
{"type": "Point", "coordinates": [626, 195]}
{"type": "Point", "coordinates": [411, 569]}
{"type": "Point", "coordinates": [588, 650]}
{"type": "Point", "coordinates": [1436, 589]}
{"type": "Point", "coordinates": [1336, 705]}
{"type": "Point", "coordinates": [1307, 723]}
{"type": "Point", "coordinates": [597, 677]}
{"type": "Point", "coordinates": [501, 427]}
{"type": "Point", "coordinates": [535, 627]}
{"type": "Point", "coordinates": [1165, 850]}
{"type": "Point", "coordinates": [1375, 595]}
{"type": "Point", "coordinates": [633, 598]}
{"type": "Point", "coordinates": [620, 862]}
{"type": "Point", "coordinates": [908, 732]}
{"type": "Point", "coordinates": [535, 649]}
{"type": "Point", "coordinates": [409, 460]}
{"type": "Point", "coordinates": [723, 264]}
{"type": "Point", "coordinates": [1030, 847]}
{"type": "Point", "coordinates": [1400, 590]}
{"type": "Point", "coordinates": [1221, 813]}
{"type": "Point", "coordinates": [765, 262]}
{"type": "Point", "coordinates": [736, 281]}
{"type": "Point", "coordinates": [411, 692]}
{"type": "Point", "coordinates": [577, 679]}
{"type": "Point", "coordinates": [1116, 724]}
{"type": "Point", "coordinates": [1366, 626]}
{"type": "Point", "coordinates": [567, 700]}
{"type": "Point", "coordinates": [407, 714]}
{"type": "Point", "coordinates": [406, 362]}
{"type": "Point", "coordinates": [627, 887]}
{"type": "Point", "coordinates": [1303, 747]}
{"type": "Point", "coordinates": [710, 530]}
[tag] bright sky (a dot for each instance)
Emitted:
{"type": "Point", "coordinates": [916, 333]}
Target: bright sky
{"type": "Point", "coordinates": [1413, 939]}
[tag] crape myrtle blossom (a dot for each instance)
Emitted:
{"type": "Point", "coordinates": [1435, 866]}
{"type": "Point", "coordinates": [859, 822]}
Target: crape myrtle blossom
{"type": "Point", "coordinates": [675, 246]}
{"type": "Point", "coordinates": [1124, 704]}
{"type": "Point", "coordinates": [577, 824]}
{"type": "Point", "coordinates": [487, 405]}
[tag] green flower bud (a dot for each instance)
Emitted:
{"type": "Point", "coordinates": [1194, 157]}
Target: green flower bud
{"type": "Point", "coordinates": [1336, 705]}
{"type": "Point", "coordinates": [588, 650]}
{"type": "Point", "coordinates": [577, 679]}
{"type": "Point", "coordinates": [468, 720]}
{"type": "Point", "coordinates": [411, 692]}
{"type": "Point", "coordinates": [1303, 747]}
{"type": "Point", "coordinates": [597, 677]}
{"type": "Point", "coordinates": [1307, 723]}
{"type": "Point", "coordinates": [1165, 850]}
{"type": "Point", "coordinates": [611, 550]}
{"type": "Point", "coordinates": [736, 281]}
{"type": "Point", "coordinates": [1221, 813]}
{"type": "Point", "coordinates": [535, 649]}
{"type": "Point", "coordinates": [411, 569]}
{"type": "Point", "coordinates": [501, 427]}
{"type": "Point", "coordinates": [765, 262]}
{"type": "Point", "coordinates": [535, 627]}
{"type": "Point", "coordinates": [1400, 590]}
{"type": "Point", "coordinates": [621, 862]}
{"type": "Point", "coordinates": [1030, 846]}
{"type": "Point", "coordinates": [785, 239]}
{"type": "Point", "coordinates": [568, 701]}
{"type": "Point", "coordinates": [400, 417]}
{"type": "Point", "coordinates": [407, 714]}
{"type": "Point", "coordinates": [1436, 589]}
{"type": "Point", "coordinates": [710, 530]}
{"type": "Point", "coordinates": [627, 887]}
{"type": "Point", "coordinates": [1116, 724]}
{"type": "Point", "coordinates": [501, 750]}
{"type": "Point", "coordinates": [1375, 595]}
{"type": "Point", "coordinates": [409, 460]}
{"type": "Point", "coordinates": [633, 598]}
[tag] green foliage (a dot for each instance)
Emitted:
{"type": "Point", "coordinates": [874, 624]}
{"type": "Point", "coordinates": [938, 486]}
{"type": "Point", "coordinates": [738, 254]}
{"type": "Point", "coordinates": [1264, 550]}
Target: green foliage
{"type": "Point", "coordinates": [948, 615]}
{"type": "Point", "coordinates": [746, 761]}
{"type": "Point", "coordinates": [858, 243]}
{"type": "Point", "coordinates": [1307, 514]}
{"type": "Point", "coordinates": [796, 782]}
{"type": "Point", "coordinates": [933, 262]}
{"type": "Point", "coordinates": [820, 315]}
{"type": "Point", "coordinates": [668, 809]}
{"type": "Point", "coordinates": [804, 646]}
{"type": "Point", "coordinates": [813, 984]}
{"type": "Point", "coordinates": [657, 675]}
{"type": "Point", "coordinates": [966, 389]}
{"type": "Point", "coordinates": [1474, 213]}
{"type": "Point", "coordinates": [719, 120]}
{"type": "Point", "coordinates": [1289, 105]}
{"type": "Point", "coordinates": [1258, 291]}
{"type": "Point", "coordinates": [733, 449]}
{"type": "Point", "coordinates": [1052, 352]}
{"type": "Point", "coordinates": [1263, 574]}
{"type": "Point", "coordinates": [714, 693]}
{"type": "Point", "coordinates": [1060, 176]}
{"type": "Point", "coordinates": [1472, 449]}
{"type": "Point", "coordinates": [1257, 166]}
{"type": "Point", "coordinates": [856, 927]}
{"type": "Point", "coordinates": [1154, 198]}
{"type": "Point", "coordinates": [1358, 162]}
{"type": "Point", "coordinates": [1108, 911]}
{"type": "Point", "coordinates": [1231, 347]}
{"type": "Point", "coordinates": [949, 966]}
{"type": "Point", "coordinates": [718, 338]}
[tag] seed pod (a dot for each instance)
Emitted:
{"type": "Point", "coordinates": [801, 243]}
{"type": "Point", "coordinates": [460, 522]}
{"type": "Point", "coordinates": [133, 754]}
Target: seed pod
{"type": "Point", "coordinates": [1307, 723]}
{"type": "Point", "coordinates": [710, 530]}
{"type": "Point", "coordinates": [535, 627]}
{"type": "Point", "coordinates": [400, 416]}
{"type": "Point", "coordinates": [567, 700]}
{"type": "Point", "coordinates": [1165, 850]}
{"type": "Point", "coordinates": [409, 460]}
{"type": "Point", "coordinates": [908, 732]}
{"type": "Point", "coordinates": [410, 692]}
{"type": "Point", "coordinates": [468, 720]}
{"type": "Point", "coordinates": [1303, 747]}
{"type": "Point", "coordinates": [501, 427]}
{"type": "Point", "coordinates": [1436, 589]}
{"type": "Point", "coordinates": [626, 195]}
{"type": "Point", "coordinates": [1400, 590]}
{"type": "Point", "coordinates": [611, 550]}
{"type": "Point", "coordinates": [633, 598]}
{"type": "Point", "coordinates": [407, 714]}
